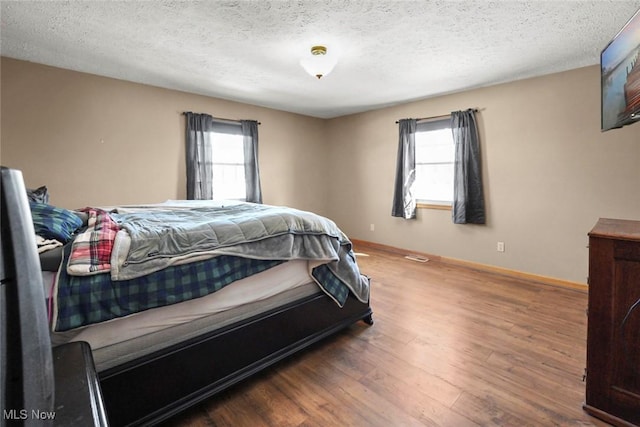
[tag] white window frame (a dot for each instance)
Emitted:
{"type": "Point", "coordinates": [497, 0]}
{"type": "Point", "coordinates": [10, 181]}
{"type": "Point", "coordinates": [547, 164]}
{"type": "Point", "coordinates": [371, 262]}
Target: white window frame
{"type": "Point", "coordinates": [434, 156]}
{"type": "Point", "coordinates": [223, 187]}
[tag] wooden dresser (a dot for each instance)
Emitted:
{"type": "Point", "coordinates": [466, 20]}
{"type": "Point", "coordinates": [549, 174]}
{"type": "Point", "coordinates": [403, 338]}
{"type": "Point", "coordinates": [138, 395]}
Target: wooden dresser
{"type": "Point", "coordinates": [613, 334]}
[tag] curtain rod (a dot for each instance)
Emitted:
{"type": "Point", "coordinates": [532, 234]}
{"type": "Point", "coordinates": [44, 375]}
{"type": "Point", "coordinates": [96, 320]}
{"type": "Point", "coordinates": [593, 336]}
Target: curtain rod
{"type": "Point", "coordinates": [220, 119]}
{"type": "Point", "coordinates": [475, 110]}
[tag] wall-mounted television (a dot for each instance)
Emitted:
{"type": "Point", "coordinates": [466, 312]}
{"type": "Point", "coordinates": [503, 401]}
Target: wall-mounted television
{"type": "Point", "coordinates": [620, 73]}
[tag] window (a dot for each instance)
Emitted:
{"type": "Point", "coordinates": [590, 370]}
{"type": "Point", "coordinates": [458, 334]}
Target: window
{"type": "Point", "coordinates": [228, 166]}
{"type": "Point", "coordinates": [434, 163]}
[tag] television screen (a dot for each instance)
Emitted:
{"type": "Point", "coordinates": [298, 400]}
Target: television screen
{"type": "Point", "coordinates": [620, 71]}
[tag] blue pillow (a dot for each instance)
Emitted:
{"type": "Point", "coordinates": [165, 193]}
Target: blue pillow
{"type": "Point", "coordinates": [51, 222]}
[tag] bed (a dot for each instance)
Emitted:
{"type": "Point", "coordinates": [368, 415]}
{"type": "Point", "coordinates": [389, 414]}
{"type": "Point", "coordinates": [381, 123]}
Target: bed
{"type": "Point", "coordinates": [181, 300]}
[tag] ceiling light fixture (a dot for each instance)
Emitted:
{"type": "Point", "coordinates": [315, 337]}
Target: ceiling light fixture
{"type": "Point", "coordinates": [318, 64]}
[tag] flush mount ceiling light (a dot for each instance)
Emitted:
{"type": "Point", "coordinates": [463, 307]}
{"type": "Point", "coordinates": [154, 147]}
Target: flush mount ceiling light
{"type": "Point", "coordinates": [318, 64]}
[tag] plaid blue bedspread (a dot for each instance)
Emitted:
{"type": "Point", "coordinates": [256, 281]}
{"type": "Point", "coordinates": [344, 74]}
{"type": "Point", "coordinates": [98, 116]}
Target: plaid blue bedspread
{"type": "Point", "coordinates": [84, 300]}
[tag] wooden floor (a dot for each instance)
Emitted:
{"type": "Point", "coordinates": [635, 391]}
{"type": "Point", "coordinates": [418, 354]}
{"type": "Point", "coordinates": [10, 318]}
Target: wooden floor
{"type": "Point", "coordinates": [450, 347]}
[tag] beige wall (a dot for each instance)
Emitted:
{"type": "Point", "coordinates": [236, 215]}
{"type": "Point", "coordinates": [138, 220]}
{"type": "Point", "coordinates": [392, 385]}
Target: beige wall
{"type": "Point", "coordinates": [549, 174]}
{"type": "Point", "coordinates": [99, 141]}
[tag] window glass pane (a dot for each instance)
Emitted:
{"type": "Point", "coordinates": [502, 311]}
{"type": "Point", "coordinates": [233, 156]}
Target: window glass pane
{"type": "Point", "coordinates": [227, 148]}
{"type": "Point", "coordinates": [434, 183]}
{"type": "Point", "coordinates": [228, 166]}
{"type": "Point", "coordinates": [434, 147]}
{"type": "Point", "coordinates": [228, 182]}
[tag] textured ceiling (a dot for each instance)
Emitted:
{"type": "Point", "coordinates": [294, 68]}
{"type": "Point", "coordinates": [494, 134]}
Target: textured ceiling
{"type": "Point", "coordinates": [389, 52]}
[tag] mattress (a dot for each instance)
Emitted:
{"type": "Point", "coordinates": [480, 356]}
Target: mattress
{"type": "Point", "coordinates": [124, 339]}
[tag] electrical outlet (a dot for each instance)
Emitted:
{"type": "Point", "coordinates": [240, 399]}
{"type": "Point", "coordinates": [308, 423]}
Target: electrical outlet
{"type": "Point", "coordinates": [500, 247]}
{"type": "Point", "coordinates": [372, 227]}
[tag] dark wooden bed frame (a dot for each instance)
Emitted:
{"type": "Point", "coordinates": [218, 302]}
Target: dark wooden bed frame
{"type": "Point", "coordinates": [155, 387]}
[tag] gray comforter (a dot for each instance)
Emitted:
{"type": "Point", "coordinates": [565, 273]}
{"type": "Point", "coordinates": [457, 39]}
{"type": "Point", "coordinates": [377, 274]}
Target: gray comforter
{"type": "Point", "coordinates": [153, 239]}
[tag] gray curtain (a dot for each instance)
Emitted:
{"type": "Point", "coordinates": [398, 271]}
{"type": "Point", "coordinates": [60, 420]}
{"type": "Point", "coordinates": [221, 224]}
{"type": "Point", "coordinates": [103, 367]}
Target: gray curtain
{"type": "Point", "coordinates": [199, 158]}
{"type": "Point", "coordinates": [468, 196]}
{"type": "Point", "coordinates": [404, 202]}
{"type": "Point", "coordinates": [251, 169]}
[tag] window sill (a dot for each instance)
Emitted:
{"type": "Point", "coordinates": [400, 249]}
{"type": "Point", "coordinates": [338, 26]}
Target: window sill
{"type": "Point", "coordinates": [433, 206]}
